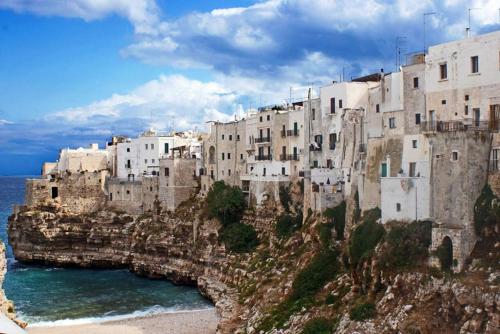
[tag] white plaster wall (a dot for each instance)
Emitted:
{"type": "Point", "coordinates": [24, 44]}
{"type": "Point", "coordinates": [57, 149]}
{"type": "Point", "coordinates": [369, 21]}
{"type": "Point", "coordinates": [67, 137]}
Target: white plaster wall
{"type": "Point", "coordinates": [414, 200]}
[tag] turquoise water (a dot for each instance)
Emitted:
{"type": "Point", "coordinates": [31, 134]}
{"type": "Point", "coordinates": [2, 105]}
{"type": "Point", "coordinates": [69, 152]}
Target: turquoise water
{"type": "Point", "coordinates": [47, 294]}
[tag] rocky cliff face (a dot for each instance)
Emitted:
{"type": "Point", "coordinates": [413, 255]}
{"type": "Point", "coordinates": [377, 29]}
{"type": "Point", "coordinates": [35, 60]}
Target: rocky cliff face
{"type": "Point", "coordinates": [250, 289]}
{"type": "Point", "coordinates": [6, 306]}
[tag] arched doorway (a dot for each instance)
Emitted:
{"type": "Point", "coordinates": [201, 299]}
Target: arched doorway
{"type": "Point", "coordinates": [211, 155]}
{"type": "Point", "coordinates": [445, 253]}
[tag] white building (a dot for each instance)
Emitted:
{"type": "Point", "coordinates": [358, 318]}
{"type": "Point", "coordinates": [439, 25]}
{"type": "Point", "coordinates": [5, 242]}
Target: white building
{"type": "Point", "coordinates": [91, 159]}
{"type": "Point", "coordinates": [141, 156]}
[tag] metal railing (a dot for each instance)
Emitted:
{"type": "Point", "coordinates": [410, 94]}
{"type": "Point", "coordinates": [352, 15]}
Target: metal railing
{"type": "Point", "coordinates": [292, 133]}
{"type": "Point", "coordinates": [450, 126]}
{"type": "Point", "coordinates": [263, 140]}
{"type": "Point", "coordinates": [263, 157]}
{"type": "Point", "coordinates": [289, 157]}
{"type": "Point", "coordinates": [315, 147]}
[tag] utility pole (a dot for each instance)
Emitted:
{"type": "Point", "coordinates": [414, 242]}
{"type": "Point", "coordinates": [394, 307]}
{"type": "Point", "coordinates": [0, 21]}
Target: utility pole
{"type": "Point", "coordinates": [468, 29]}
{"type": "Point", "coordinates": [400, 40]}
{"type": "Point", "coordinates": [425, 17]}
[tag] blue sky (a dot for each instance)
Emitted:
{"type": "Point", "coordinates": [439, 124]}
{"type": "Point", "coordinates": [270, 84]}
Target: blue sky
{"type": "Point", "coordinates": [74, 72]}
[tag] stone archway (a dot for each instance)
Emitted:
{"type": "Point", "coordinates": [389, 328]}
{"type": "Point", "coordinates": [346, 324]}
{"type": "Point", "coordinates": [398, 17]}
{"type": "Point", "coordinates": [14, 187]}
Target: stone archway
{"type": "Point", "coordinates": [445, 253]}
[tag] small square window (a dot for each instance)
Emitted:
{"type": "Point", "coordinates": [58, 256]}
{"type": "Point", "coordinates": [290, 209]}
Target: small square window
{"type": "Point", "coordinates": [222, 137]}
{"type": "Point", "coordinates": [466, 97]}
{"type": "Point", "coordinates": [340, 104]}
{"type": "Point", "coordinates": [153, 161]}
{"type": "Point", "coordinates": [414, 143]}
{"type": "Point", "coordinates": [229, 156]}
{"type": "Point", "coordinates": [283, 171]}
{"type": "Point", "coordinates": [260, 119]}
{"type": "Point", "coordinates": [398, 207]}
{"type": "Point", "coordinates": [238, 138]}
{"type": "Point", "coordinates": [466, 110]}
{"type": "Point", "coordinates": [128, 149]}
{"type": "Point", "coordinates": [230, 137]}
{"type": "Point", "coordinates": [268, 117]}
{"type": "Point", "coordinates": [443, 101]}
{"type": "Point", "coordinates": [145, 161]}
{"type": "Point", "coordinates": [443, 71]}
{"type": "Point", "coordinates": [474, 63]}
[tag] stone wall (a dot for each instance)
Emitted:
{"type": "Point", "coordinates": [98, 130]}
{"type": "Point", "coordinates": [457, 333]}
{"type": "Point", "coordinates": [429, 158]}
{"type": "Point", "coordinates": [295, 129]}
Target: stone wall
{"type": "Point", "coordinates": [125, 195]}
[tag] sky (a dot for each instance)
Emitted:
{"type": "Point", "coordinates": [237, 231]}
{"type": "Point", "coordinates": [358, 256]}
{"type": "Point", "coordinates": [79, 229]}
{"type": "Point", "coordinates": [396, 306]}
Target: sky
{"type": "Point", "coordinates": [79, 71]}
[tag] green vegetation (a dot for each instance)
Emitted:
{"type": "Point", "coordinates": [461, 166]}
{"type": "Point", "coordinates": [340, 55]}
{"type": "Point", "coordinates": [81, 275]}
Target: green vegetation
{"type": "Point", "coordinates": [365, 237]}
{"type": "Point", "coordinates": [362, 311]}
{"type": "Point", "coordinates": [486, 210]}
{"type": "Point", "coordinates": [286, 224]}
{"type": "Point", "coordinates": [337, 217]}
{"type": "Point", "coordinates": [318, 326]}
{"type": "Point", "coordinates": [322, 269]}
{"type": "Point", "coordinates": [357, 210]}
{"type": "Point", "coordinates": [406, 245]}
{"type": "Point", "coordinates": [285, 198]}
{"type": "Point", "coordinates": [226, 203]}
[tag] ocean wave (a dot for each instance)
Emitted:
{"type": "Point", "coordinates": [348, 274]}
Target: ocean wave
{"type": "Point", "coordinates": [154, 310]}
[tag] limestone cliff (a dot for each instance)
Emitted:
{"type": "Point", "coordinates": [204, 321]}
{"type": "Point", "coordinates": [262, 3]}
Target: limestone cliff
{"type": "Point", "coordinates": [6, 306]}
{"type": "Point", "coordinates": [252, 291]}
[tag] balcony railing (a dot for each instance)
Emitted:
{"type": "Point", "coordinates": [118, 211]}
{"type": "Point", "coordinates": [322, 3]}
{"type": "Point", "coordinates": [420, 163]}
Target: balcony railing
{"type": "Point", "coordinates": [463, 125]}
{"type": "Point", "coordinates": [292, 133]}
{"type": "Point", "coordinates": [263, 157]}
{"type": "Point", "coordinates": [289, 157]}
{"type": "Point", "coordinates": [263, 140]}
{"type": "Point", "coordinates": [494, 166]}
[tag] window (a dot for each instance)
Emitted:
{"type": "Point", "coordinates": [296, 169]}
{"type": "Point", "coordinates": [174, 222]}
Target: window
{"type": "Point", "coordinates": [383, 169]}
{"type": "Point", "coordinates": [417, 119]}
{"type": "Point", "coordinates": [54, 192]}
{"type": "Point", "coordinates": [332, 105]}
{"type": "Point", "coordinates": [241, 156]}
{"type": "Point", "coordinates": [443, 71]}
{"type": "Point", "coordinates": [415, 82]}
{"type": "Point", "coordinates": [238, 138]}
{"type": "Point", "coordinates": [333, 140]}
{"type": "Point", "coordinates": [229, 156]}
{"type": "Point", "coordinates": [268, 117]}
{"type": "Point", "coordinates": [398, 207]}
{"type": "Point", "coordinates": [466, 97]}
{"type": "Point", "coordinates": [128, 164]}
{"type": "Point", "coordinates": [313, 114]}
{"type": "Point", "coordinates": [152, 146]}
{"type": "Point", "coordinates": [283, 170]}
{"type": "Point", "coordinates": [223, 156]}
{"type": "Point", "coordinates": [413, 168]}
{"type": "Point", "coordinates": [165, 147]}
{"type": "Point", "coordinates": [146, 146]}
{"type": "Point", "coordinates": [167, 171]}
{"type": "Point", "coordinates": [230, 137]}
{"type": "Point", "coordinates": [145, 161]}
{"type": "Point", "coordinates": [454, 156]}
{"type": "Point", "coordinates": [443, 101]}
{"type": "Point", "coordinates": [111, 196]}
{"type": "Point", "coordinates": [263, 172]}
{"type": "Point", "coordinates": [153, 161]}
{"type": "Point", "coordinates": [128, 192]}
{"type": "Point", "coordinates": [128, 149]}
{"type": "Point", "coordinates": [340, 104]}
{"type": "Point", "coordinates": [392, 122]}
{"type": "Point", "coordinates": [228, 172]}
{"type": "Point", "coordinates": [414, 143]}
{"type": "Point", "coordinates": [150, 188]}
{"type": "Point", "coordinates": [222, 137]}
{"type": "Point", "coordinates": [377, 108]}
{"type": "Point", "coordinates": [466, 110]}
{"type": "Point", "coordinates": [474, 64]}
{"type": "Point", "coordinates": [260, 119]}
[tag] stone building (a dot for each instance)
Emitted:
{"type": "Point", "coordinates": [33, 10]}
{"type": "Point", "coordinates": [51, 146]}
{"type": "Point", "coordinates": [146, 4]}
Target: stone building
{"type": "Point", "coordinates": [91, 159]}
{"type": "Point", "coordinates": [178, 180]}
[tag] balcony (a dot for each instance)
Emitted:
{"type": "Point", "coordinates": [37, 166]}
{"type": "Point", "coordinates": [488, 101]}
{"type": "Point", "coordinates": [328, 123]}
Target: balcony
{"type": "Point", "coordinates": [263, 157]}
{"type": "Point", "coordinates": [289, 157]}
{"type": "Point", "coordinates": [463, 125]}
{"type": "Point", "coordinates": [292, 133]}
{"type": "Point", "coordinates": [263, 140]}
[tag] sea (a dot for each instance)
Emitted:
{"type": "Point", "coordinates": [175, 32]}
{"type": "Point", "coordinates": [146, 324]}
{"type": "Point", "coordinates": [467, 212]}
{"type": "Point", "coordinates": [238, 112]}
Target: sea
{"type": "Point", "coordinates": [46, 296]}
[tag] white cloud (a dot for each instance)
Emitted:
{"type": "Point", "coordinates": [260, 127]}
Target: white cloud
{"type": "Point", "coordinates": [5, 122]}
{"type": "Point", "coordinates": [167, 101]}
{"type": "Point", "coordinates": [143, 14]}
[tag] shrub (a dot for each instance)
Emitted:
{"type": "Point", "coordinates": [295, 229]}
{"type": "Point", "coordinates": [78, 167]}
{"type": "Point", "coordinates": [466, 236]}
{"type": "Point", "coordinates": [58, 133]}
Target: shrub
{"type": "Point", "coordinates": [365, 237]}
{"type": "Point", "coordinates": [318, 326]}
{"type": "Point", "coordinates": [322, 268]}
{"type": "Point", "coordinates": [285, 198]}
{"type": "Point", "coordinates": [239, 238]}
{"type": "Point", "coordinates": [362, 311]}
{"type": "Point", "coordinates": [226, 203]}
{"type": "Point", "coordinates": [337, 216]}
{"type": "Point", "coordinates": [287, 224]}
{"type": "Point", "coordinates": [444, 253]}
{"type": "Point", "coordinates": [485, 212]}
{"type": "Point", "coordinates": [357, 210]}
{"type": "Point", "coordinates": [407, 244]}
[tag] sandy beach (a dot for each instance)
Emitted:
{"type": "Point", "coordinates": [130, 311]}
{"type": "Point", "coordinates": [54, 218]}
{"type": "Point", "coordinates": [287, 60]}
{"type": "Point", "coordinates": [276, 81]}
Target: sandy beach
{"type": "Point", "coordinates": [193, 322]}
